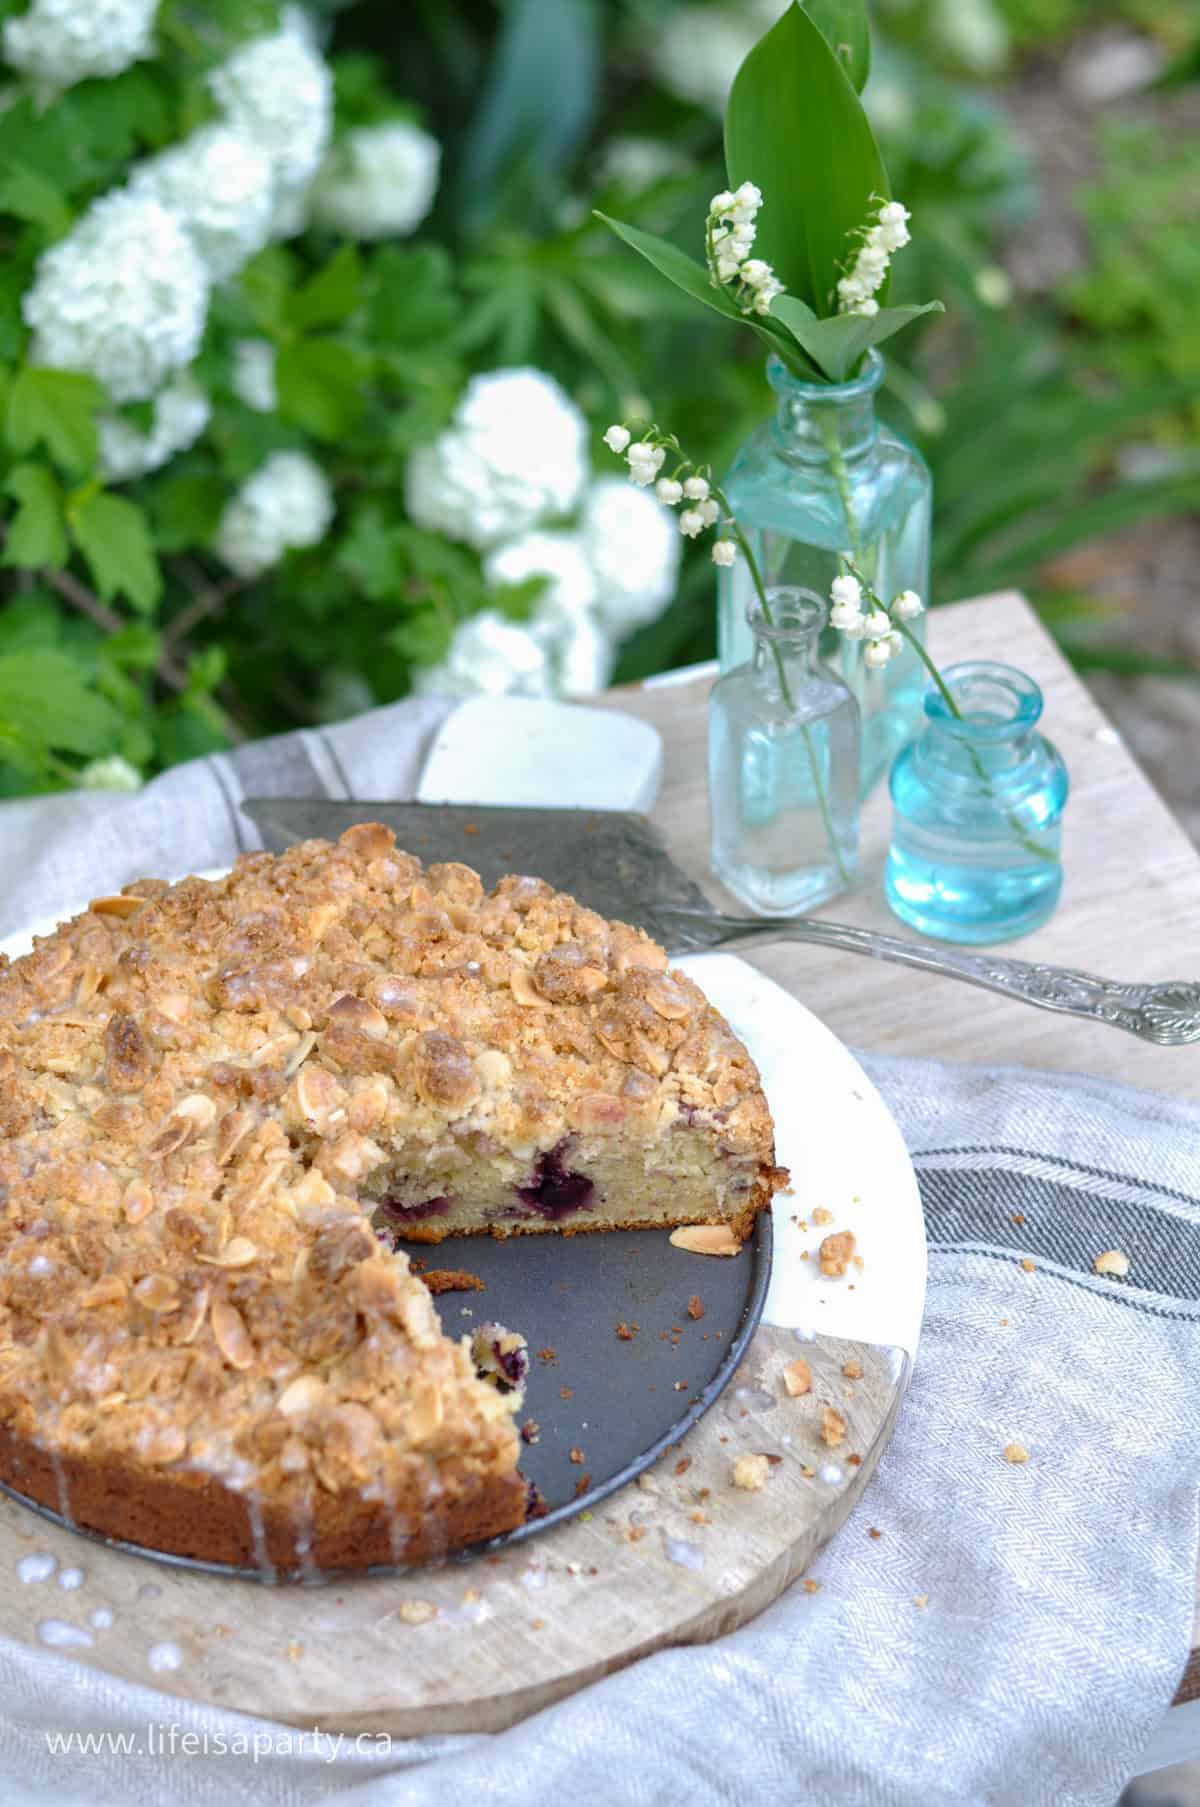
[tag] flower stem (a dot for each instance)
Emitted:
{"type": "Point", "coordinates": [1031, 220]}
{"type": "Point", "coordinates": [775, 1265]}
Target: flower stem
{"type": "Point", "coordinates": [1018, 832]}
{"type": "Point", "coordinates": [785, 689]}
{"type": "Point", "coordinates": [841, 476]}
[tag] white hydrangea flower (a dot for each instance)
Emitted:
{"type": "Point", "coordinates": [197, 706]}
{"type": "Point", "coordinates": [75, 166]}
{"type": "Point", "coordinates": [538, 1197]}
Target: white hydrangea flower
{"type": "Point", "coordinates": [633, 547]}
{"type": "Point", "coordinates": [638, 163]}
{"type": "Point", "coordinates": [221, 184]}
{"type": "Point", "coordinates": [514, 454]}
{"type": "Point", "coordinates": [699, 48]}
{"type": "Point", "coordinates": [253, 378]}
{"type": "Point", "coordinates": [278, 91]}
{"type": "Point", "coordinates": [123, 297]}
{"type": "Point", "coordinates": [286, 503]}
{"type": "Point", "coordinates": [489, 656]}
{"type": "Point", "coordinates": [181, 413]}
{"type": "Point", "coordinates": [562, 559]}
{"type": "Point", "coordinates": [585, 659]}
{"type": "Point", "coordinates": [60, 42]}
{"type": "Point", "coordinates": [111, 774]}
{"type": "Point", "coordinates": [377, 182]}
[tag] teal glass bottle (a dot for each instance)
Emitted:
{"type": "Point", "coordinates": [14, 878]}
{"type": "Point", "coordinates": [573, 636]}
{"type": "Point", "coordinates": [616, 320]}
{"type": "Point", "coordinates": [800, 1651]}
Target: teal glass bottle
{"type": "Point", "coordinates": [977, 812]}
{"type": "Point", "coordinates": [783, 766]}
{"type": "Point", "coordinates": [822, 477]}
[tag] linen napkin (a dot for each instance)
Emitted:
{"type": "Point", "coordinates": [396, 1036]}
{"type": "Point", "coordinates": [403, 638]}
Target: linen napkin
{"type": "Point", "coordinates": [1016, 1632]}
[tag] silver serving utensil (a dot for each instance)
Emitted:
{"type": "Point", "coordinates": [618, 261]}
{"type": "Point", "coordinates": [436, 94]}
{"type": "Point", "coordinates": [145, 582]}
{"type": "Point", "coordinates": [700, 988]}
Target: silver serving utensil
{"type": "Point", "coordinates": [616, 862]}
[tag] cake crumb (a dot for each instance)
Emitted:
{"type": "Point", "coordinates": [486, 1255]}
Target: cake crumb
{"type": "Point", "coordinates": [547, 1355]}
{"type": "Point", "coordinates": [627, 1332]}
{"type": "Point", "coordinates": [635, 1533]}
{"type": "Point", "coordinates": [811, 1586]}
{"type": "Point", "coordinates": [821, 1215]}
{"type": "Point", "coordinates": [1016, 1453]}
{"type": "Point", "coordinates": [695, 1307]}
{"type": "Point", "coordinates": [295, 1650]}
{"type": "Point", "coordinates": [1112, 1261]}
{"type": "Point", "coordinates": [920, 1599]}
{"type": "Point", "coordinates": [683, 1464]}
{"type": "Point", "coordinates": [852, 1370]}
{"type": "Point", "coordinates": [452, 1280]}
{"type": "Point", "coordinates": [833, 1426]}
{"type": "Point", "coordinates": [1018, 1217]}
{"type": "Point", "coordinates": [1004, 1323]}
{"type": "Point", "coordinates": [574, 1568]}
{"type": "Point", "coordinates": [576, 1455]}
{"type": "Point", "coordinates": [566, 1392]}
{"type": "Point", "coordinates": [797, 1378]}
{"type": "Point", "coordinates": [1027, 1265]}
{"type": "Point", "coordinates": [700, 1518]}
{"type": "Point", "coordinates": [874, 1531]}
{"type": "Point", "coordinates": [537, 1624]}
{"type": "Point", "coordinates": [808, 1473]}
{"type": "Point", "coordinates": [681, 1386]}
{"type": "Point", "coordinates": [582, 1485]}
{"type": "Point", "coordinates": [836, 1252]}
{"type": "Point", "coordinates": [530, 1430]}
{"type": "Point", "coordinates": [703, 1493]}
{"type": "Point", "coordinates": [417, 1612]}
{"type": "Point", "coordinates": [750, 1473]}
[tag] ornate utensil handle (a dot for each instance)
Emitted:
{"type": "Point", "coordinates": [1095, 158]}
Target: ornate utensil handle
{"type": "Point", "coordinates": [1167, 1013]}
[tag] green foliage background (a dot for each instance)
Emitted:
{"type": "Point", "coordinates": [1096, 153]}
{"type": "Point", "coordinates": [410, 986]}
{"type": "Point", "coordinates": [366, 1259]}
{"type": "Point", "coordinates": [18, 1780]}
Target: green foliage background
{"type": "Point", "coordinates": [120, 632]}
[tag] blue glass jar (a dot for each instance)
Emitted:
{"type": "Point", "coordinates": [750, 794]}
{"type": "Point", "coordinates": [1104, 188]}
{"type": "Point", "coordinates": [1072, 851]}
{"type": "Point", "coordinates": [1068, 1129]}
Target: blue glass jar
{"type": "Point", "coordinates": [978, 803]}
{"type": "Point", "coordinates": [825, 476]}
{"type": "Point", "coordinates": [783, 746]}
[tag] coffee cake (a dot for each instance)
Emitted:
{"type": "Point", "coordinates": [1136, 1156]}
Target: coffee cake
{"type": "Point", "coordinates": [220, 1100]}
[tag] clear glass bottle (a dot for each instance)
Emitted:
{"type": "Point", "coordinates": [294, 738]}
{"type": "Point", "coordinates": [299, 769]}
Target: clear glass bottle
{"type": "Point", "coordinates": [825, 476]}
{"type": "Point", "coordinates": [783, 747]}
{"type": "Point", "coordinates": [978, 803]}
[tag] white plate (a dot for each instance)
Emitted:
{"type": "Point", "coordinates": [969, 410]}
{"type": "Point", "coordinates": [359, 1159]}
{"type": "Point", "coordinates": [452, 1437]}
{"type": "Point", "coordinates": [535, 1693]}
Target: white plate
{"type": "Point", "coordinates": [839, 1141]}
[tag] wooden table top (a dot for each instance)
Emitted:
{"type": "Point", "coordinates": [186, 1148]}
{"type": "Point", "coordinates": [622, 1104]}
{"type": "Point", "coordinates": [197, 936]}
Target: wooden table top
{"type": "Point", "coordinates": [1130, 907]}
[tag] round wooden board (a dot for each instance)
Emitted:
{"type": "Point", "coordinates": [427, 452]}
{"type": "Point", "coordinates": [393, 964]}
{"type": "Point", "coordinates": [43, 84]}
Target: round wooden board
{"type": "Point", "coordinates": [681, 1556]}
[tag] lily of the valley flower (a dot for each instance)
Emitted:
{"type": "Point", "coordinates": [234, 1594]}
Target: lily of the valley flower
{"type": "Point", "coordinates": [646, 456]}
{"type": "Point", "coordinates": [876, 623]}
{"type": "Point", "coordinates": [886, 233]}
{"type": "Point", "coordinates": [729, 233]}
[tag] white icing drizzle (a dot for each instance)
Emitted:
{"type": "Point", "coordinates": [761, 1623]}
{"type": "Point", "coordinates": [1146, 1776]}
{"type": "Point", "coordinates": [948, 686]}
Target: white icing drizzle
{"type": "Point", "coordinates": [687, 1555]}
{"type": "Point", "coordinates": [61, 1636]}
{"type": "Point", "coordinates": [102, 1617]}
{"type": "Point", "coordinates": [258, 1534]}
{"type": "Point", "coordinates": [71, 1579]}
{"type": "Point", "coordinates": [831, 1474]}
{"type": "Point", "coordinates": [38, 1566]}
{"type": "Point", "coordinates": [163, 1657]}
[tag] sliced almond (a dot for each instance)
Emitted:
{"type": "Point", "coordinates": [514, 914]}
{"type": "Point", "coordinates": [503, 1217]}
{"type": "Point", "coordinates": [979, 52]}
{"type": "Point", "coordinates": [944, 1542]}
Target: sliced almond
{"type": "Point", "coordinates": [706, 1239]}
{"type": "Point", "coordinates": [193, 1316]}
{"type": "Point", "coordinates": [524, 990]}
{"type": "Point", "coordinates": [198, 1109]}
{"type": "Point", "coordinates": [300, 1054]}
{"type": "Point", "coordinates": [668, 1000]}
{"type": "Point", "coordinates": [238, 1253]}
{"type": "Point", "coordinates": [232, 1337]}
{"type": "Point", "coordinates": [417, 1612]}
{"type": "Point", "coordinates": [234, 1128]}
{"type": "Point", "coordinates": [301, 1396]}
{"type": "Point", "coordinates": [1114, 1262]}
{"type": "Point", "coordinates": [115, 906]}
{"type": "Point", "coordinates": [426, 1412]}
{"type": "Point", "coordinates": [355, 1013]}
{"type": "Point", "coordinates": [157, 1292]}
{"type": "Point", "coordinates": [138, 1201]}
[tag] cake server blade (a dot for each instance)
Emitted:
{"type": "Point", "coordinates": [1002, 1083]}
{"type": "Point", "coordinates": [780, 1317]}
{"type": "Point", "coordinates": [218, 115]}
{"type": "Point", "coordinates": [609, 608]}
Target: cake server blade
{"type": "Point", "coordinates": [616, 862]}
